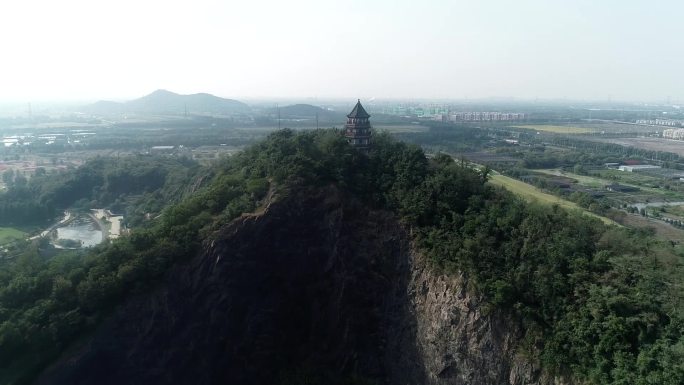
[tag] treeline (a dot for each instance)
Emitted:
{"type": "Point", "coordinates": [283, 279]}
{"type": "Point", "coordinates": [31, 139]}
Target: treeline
{"type": "Point", "coordinates": [598, 303]}
{"type": "Point", "coordinates": [19, 207]}
{"type": "Point", "coordinates": [129, 184]}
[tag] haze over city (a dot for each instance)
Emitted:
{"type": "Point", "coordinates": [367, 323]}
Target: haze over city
{"type": "Point", "coordinates": [84, 50]}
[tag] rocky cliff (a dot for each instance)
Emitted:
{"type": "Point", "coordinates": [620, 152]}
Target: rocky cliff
{"type": "Point", "coordinates": [316, 289]}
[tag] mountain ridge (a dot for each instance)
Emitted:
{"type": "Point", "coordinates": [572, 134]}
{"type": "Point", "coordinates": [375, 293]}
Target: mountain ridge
{"type": "Point", "coordinates": [163, 101]}
{"type": "Point", "coordinates": [303, 110]}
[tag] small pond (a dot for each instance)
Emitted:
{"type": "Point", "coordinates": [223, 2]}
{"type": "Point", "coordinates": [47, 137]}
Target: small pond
{"type": "Point", "coordinates": [82, 229]}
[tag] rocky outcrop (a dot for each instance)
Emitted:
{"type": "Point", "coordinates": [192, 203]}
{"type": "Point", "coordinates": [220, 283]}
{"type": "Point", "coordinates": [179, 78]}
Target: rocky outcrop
{"type": "Point", "coordinates": [456, 341]}
{"type": "Point", "coordinates": [318, 288]}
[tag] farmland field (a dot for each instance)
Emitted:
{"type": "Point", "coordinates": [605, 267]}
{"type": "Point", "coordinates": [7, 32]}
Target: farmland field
{"type": "Point", "coordinates": [559, 129]}
{"type": "Point", "coordinates": [656, 144]}
{"type": "Point", "coordinates": [634, 178]}
{"type": "Point", "coordinates": [601, 178]}
{"type": "Point", "coordinates": [399, 128]}
{"type": "Point", "coordinates": [645, 183]}
{"type": "Point", "coordinates": [584, 180]}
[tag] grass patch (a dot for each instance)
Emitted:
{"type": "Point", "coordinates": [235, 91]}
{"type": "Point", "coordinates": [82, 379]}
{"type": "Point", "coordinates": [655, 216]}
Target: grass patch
{"type": "Point", "coordinates": [9, 234]}
{"type": "Point", "coordinates": [558, 129]}
{"type": "Point", "coordinates": [532, 193]}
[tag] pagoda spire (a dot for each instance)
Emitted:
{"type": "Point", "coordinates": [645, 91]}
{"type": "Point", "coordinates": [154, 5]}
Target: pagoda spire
{"type": "Point", "coordinates": [358, 128]}
{"type": "Point", "coordinates": [358, 111]}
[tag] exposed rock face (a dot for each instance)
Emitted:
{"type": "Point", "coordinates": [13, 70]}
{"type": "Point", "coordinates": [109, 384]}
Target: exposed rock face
{"type": "Point", "coordinates": [317, 286]}
{"type": "Point", "coordinates": [456, 342]}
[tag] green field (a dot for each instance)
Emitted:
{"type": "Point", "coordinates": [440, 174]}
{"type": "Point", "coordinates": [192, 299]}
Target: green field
{"type": "Point", "coordinates": [558, 129]}
{"type": "Point", "coordinates": [602, 178]}
{"type": "Point", "coordinates": [532, 193]}
{"type": "Point", "coordinates": [8, 234]}
{"type": "Point", "coordinates": [584, 180]}
{"type": "Point", "coordinates": [634, 178]}
{"type": "Point", "coordinates": [399, 128]}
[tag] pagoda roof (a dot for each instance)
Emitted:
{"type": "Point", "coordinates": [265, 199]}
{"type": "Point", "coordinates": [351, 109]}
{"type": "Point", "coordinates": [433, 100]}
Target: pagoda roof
{"type": "Point", "coordinates": [358, 111]}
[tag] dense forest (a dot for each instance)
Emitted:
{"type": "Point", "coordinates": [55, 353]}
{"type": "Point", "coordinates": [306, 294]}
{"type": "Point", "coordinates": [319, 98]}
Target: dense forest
{"type": "Point", "coordinates": [599, 303]}
{"type": "Point", "coordinates": [133, 184]}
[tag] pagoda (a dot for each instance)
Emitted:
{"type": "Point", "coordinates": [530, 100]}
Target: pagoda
{"type": "Point", "coordinates": [358, 128]}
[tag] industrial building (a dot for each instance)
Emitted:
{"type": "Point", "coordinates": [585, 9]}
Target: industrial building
{"type": "Point", "coordinates": [638, 167]}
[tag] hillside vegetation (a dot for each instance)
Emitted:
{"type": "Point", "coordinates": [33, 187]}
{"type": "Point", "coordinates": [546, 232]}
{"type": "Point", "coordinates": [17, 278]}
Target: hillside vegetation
{"type": "Point", "coordinates": [599, 303]}
{"type": "Point", "coordinates": [136, 184]}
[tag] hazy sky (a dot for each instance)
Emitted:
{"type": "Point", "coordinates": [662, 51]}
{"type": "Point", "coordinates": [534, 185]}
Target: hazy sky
{"type": "Point", "coordinates": [593, 49]}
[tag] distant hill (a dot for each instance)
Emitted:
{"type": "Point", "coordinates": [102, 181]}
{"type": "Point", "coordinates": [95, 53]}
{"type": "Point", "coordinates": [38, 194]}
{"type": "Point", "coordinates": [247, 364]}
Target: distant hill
{"type": "Point", "coordinates": [105, 107]}
{"type": "Point", "coordinates": [167, 102]}
{"type": "Point", "coordinates": [306, 111]}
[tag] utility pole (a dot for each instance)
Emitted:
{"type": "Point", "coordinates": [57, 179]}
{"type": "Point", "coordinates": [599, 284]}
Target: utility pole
{"type": "Point", "coordinates": [316, 119]}
{"type": "Point", "coordinates": [278, 108]}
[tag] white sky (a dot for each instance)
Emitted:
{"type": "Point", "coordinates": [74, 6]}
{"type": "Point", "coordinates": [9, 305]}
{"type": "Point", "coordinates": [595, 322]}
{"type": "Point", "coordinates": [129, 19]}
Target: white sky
{"type": "Point", "coordinates": [578, 49]}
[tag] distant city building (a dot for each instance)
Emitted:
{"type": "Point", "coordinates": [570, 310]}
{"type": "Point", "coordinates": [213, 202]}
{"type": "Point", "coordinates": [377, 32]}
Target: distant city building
{"type": "Point", "coordinates": [358, 128]}
{"type": "Point", "coordinates": [446, 113]}
{"type": "Point", "coordinates": [674, 133]}
{"type": "Point", "coordinates": [485, 116]}
{"type": "Point", "coordinates": [162, 149]}
{"type": "Point", "coordinates": [661, 122]}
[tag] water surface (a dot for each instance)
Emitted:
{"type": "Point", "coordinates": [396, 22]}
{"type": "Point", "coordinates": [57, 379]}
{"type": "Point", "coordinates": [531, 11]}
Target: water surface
{"type": "Point", "coordinates": [81, 229]}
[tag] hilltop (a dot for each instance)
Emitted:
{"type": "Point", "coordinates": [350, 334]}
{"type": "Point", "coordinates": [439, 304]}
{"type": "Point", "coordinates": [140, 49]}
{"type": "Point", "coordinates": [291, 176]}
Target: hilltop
{"type": "Point", "coordinates": [301, 260]}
